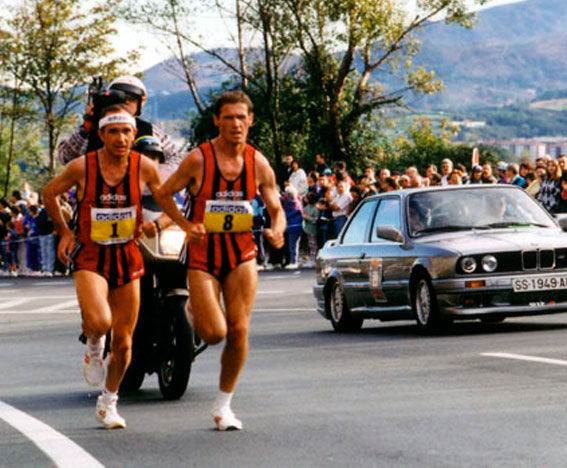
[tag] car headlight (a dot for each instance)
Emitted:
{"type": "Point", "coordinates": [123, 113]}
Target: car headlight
{"type": "Point", "coordinates": [468, 264]}
{"type": "Point", "coordinates": [489, 263]}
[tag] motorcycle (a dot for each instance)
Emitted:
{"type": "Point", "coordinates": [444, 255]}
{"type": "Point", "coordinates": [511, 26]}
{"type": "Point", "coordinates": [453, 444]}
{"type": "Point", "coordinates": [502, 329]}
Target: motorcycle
{"type": "Point", "coordinates": [163, 340]}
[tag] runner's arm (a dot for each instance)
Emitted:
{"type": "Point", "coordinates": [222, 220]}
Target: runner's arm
{"type": "Point", "coordinates": [74, 174]}
{"type": "Point", "coordinates": [181, 178]}
{"type": "Point", "coordinates": [266, 181]}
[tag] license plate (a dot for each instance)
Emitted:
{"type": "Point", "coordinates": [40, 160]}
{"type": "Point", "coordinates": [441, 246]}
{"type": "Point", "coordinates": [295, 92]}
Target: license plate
{"type": "Point", "coordinates": [539, 283]}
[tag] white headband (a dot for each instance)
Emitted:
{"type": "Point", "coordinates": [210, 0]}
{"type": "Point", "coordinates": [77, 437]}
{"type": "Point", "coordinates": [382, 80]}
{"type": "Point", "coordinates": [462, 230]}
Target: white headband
{"type": "Point", "coordinates": [120, 117]}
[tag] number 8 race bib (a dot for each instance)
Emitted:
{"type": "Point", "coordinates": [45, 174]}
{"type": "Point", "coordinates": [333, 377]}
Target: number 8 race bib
{"type": "Point", "coordinates": [113, 225]}
{"type": "Point", "coordinates": [228, 216]}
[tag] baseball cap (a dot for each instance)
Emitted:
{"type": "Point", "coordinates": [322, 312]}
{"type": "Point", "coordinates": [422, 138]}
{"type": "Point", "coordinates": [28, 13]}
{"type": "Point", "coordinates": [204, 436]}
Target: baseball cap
{"type": "Point", "coordinates": [327, 172]}
{"type": "Point", "coordinates": [477, 168]}
{"type": "Point", "coordinates": [501, 166]}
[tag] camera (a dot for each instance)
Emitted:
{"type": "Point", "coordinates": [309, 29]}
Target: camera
{"type": "Point", "coordinates": [102, 97]}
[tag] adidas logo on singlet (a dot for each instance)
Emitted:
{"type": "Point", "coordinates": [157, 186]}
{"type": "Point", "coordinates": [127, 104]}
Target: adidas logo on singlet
{"type": "Point", "coordinates": [109, 197]}
{"type": "Point", "coordinates": [230, 194]}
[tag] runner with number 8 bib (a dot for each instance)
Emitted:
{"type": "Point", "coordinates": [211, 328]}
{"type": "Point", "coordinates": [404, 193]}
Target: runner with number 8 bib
{"type": "Point", "coordinates": [222, 177]}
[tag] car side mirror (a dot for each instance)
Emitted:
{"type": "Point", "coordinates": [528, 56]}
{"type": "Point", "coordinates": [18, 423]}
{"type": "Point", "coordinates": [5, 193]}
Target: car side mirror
{"type": "Point", "coordinates": [390, 233]}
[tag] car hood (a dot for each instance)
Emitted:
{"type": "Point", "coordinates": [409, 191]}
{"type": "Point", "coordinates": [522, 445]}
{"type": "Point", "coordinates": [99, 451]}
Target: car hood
{"type": "Point", "coordinates": [498, 240]}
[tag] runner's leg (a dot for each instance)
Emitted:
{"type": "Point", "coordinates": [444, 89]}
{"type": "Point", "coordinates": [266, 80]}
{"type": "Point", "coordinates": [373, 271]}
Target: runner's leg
{"type": "Point", "coordinates": [92, 294]}
{"type": "Point", "coordinates": [208, 317]}
{"type": "Point", "coordinates": [124, 303]}
{"type": "Point", "coordinates": [239, 290]}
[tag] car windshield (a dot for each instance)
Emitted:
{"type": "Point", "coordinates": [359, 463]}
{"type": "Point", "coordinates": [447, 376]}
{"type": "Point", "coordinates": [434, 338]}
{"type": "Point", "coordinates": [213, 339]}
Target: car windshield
{"type": "Point", "coordinates": [460, 210]}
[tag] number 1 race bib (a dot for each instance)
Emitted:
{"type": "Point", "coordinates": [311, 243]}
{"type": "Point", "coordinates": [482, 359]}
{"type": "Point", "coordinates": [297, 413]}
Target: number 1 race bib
{"type": "Point", "coordinates": [228, 216]}
{"type": "Point", "coordinates": [113, 225]}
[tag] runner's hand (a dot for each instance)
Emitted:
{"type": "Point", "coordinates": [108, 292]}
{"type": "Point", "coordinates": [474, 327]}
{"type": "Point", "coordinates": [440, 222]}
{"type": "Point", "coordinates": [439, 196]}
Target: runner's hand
{"type": "Point", "coordinates": [276, 238]}
{"type": "Point", "coordinates": [149, 228]}
{"type": "Point", "coordinates": [196, 232]}
{"type": "Point", "coordinates": [66, 246]}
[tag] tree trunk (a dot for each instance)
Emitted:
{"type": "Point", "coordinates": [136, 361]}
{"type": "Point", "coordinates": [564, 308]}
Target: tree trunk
{"type": "Point", "coordinates": [11, 141]}
{"type": "Point", "coordinates": [241, 51]}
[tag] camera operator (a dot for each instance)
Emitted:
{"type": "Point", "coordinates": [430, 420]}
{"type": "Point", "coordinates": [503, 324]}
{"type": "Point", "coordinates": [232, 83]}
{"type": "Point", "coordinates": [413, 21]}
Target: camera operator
{"type": "Point", "coordinates": [130, 91]}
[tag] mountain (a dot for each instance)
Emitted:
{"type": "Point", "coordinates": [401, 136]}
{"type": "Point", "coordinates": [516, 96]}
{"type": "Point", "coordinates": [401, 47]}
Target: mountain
{"type": "Point", "coordinates": [514, 52]}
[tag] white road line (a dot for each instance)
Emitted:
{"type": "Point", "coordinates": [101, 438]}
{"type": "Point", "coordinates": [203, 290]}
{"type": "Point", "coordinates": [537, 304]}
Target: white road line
{"type": "Point", "coordinates": [270, 292]}
{"type": "Point", "coordinates": [284, 310]}
{"type": "Point", "coordinates": [6, 285]}
{"type": "Point", "coordinates": [53, 283]}
{"type": "Point", "coordinates": [521, 357]}
{"type": "Point", "coordinates": [61, 305]}
{"type": "Point", "coordinates": [63, 451]}
{"type": "Point", "coordinates": [13, 303]}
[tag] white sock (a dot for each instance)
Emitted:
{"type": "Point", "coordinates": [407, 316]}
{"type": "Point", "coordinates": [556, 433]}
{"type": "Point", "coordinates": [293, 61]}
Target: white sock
{"type": "Point", "coordinates": [108, 396]}
{"type": "Point", "coordinates": [95, 347]}
{"type": "Point", "coordinates": [223, 400]}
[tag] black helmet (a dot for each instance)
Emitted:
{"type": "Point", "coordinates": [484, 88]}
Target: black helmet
{"type": "Point", "coordinates": [150, 146]}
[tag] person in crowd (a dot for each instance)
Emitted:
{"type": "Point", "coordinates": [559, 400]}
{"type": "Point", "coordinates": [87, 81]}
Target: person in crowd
{"type": "Point", "coordinates": [540, 162]}
{"type": "Point", "coordinates": [13, 240]}
{"type": "Point", "coordinates": [313, 184]}
{"type": "Point", "coordinates": [4, 250]}
{"type": "Point", "coordinates": [435, 180]}
{"type": "Point", "coordinates": [513, 176]}
{"type": "Point", "coordinates": [462, 172]}
{"type": "Point", "coordinates": [501, 172]}
{"type": "Point", "coordinates": [487, 176]}
{"type": "Point", "coordinates": [258, 226]}
{"type": "Point", "coordinates": [562, 161]}
{"type": "Point", "coordinates": [17, 200]}
{"type": "Point", "coordinates": [455, 178]}
{"type": "Point", "coordinates": [550, 188]}
{"type": "Point", "coordinates": [310, 217]}
{"type": "Point", "coordinates": [446, 170]}
{"type": "Point", "coordinates": [390, 185]}
{"type": "Point", "coordinates": [383, 174]}
{"type": "Point", "coordinates": [405, 182]}
{"type": "Point", "coordinates": [476, 175]}
{"type": "Point", "coordinates": [298, 178]}
{"type": "Point", "coordinates": [46, 242]}
{"type": "Point", "coordinates": [286, 170]}
{"type": "Point", "coordinates": [294, 217]}
{"type": "Point", "coordinates": [320, 164]}
{"type": "Point", "coordinates": [429, 171]}
{"type": "Point", "coordinates": [538, 177]}
{"type": "Point", "coordinates": [370, 174]}
{"type": "Point", "coordinates": [414, 177]}
{"type": "Point", "coordinates": [340, 173]}
{"type": "Point", "coordinates": [18, 220]}
{"type": "Point", "coordinates": [562, 199]}
{"type": "Point", "coordinates": [526, 167]}
{"type": "Point", "coordinates": [356, 199]}
{"type": "Point", "coordinates": [339, 207]}
{"type": "Point", "coordinates": [325, 219]}
{"type": "Point", "coordinates": [33, 252]}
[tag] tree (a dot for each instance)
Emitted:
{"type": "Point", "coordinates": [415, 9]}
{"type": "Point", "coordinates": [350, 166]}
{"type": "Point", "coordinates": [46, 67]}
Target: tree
{"type": "Point", "coordinates": [359, 56]}
{"type": "Point", "coordinates": [62, 44]}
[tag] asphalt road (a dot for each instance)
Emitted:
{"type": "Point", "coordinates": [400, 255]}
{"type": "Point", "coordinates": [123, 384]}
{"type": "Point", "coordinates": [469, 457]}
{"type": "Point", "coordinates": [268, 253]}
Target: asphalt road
{"type": "Point", "coordinates": [308, 397]}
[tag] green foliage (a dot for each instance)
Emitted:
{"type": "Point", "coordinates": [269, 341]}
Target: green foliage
{"type": "Point", "coordinates": [53, 48]}
{"type": "Point", "coordinates": [427, 145]}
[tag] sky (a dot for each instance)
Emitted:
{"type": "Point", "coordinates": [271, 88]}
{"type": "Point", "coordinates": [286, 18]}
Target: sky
{"type": "Point", "coordinates": [154, 50]}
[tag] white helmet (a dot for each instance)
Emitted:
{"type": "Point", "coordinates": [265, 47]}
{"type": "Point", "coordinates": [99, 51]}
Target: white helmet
{"type": "Point", "coordinates": [133, 86]}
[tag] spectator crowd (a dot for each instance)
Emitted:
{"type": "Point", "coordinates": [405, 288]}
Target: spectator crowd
{"type": "Point", "coordinates": [316, 202]}
{"type": "Point", "coordinates": [28, 243]}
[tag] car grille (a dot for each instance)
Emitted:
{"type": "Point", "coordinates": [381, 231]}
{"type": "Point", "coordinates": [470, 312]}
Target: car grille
{"type": "Point", "coordinates": [538, 259]}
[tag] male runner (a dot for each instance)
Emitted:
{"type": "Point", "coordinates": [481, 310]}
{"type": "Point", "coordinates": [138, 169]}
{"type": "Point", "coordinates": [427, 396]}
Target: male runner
{"type": "Point", "coordinates": [222, 177]}
{"type": "Point", "coordinates": [106, 261]}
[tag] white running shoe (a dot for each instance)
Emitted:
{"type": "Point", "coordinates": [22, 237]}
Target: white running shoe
{"type": "Point", "coordinates": [225, 420]}
{"type": "Point", "coordinates": [93, 366]}
{"type": "Point", "coordinates": [107, 414]}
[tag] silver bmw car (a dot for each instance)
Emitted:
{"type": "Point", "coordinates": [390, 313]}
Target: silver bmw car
{"type": "Point", "coordinates": [439, 254]}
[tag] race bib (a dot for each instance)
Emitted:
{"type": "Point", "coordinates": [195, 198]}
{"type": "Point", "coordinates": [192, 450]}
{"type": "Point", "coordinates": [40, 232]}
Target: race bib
{"type": "Point", "coordinates": [228, 216]}
{"type": "Point", "coordinates": [113, 225]}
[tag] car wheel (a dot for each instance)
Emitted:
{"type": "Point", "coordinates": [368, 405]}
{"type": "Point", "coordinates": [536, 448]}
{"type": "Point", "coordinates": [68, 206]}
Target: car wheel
{"type": "Point", "coordinates": [424, 304]}
{"type": "Point", "coordinates": [341, 319]}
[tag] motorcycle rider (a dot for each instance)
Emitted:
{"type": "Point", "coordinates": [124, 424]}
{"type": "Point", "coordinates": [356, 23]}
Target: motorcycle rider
{"type": "Point", "coordinates": [85, 138]}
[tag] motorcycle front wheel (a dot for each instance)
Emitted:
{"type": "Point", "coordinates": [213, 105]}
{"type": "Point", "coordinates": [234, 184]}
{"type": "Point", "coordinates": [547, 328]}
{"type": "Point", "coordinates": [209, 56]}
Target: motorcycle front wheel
{"type": "Point", "coordinates": [177, 349]}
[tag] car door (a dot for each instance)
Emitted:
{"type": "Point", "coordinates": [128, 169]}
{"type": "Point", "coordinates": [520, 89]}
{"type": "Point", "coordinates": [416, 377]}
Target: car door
{"type": "Point", "coordinates": [380, 257]}
{"type": "Point", "coordinates": [350, 250]}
